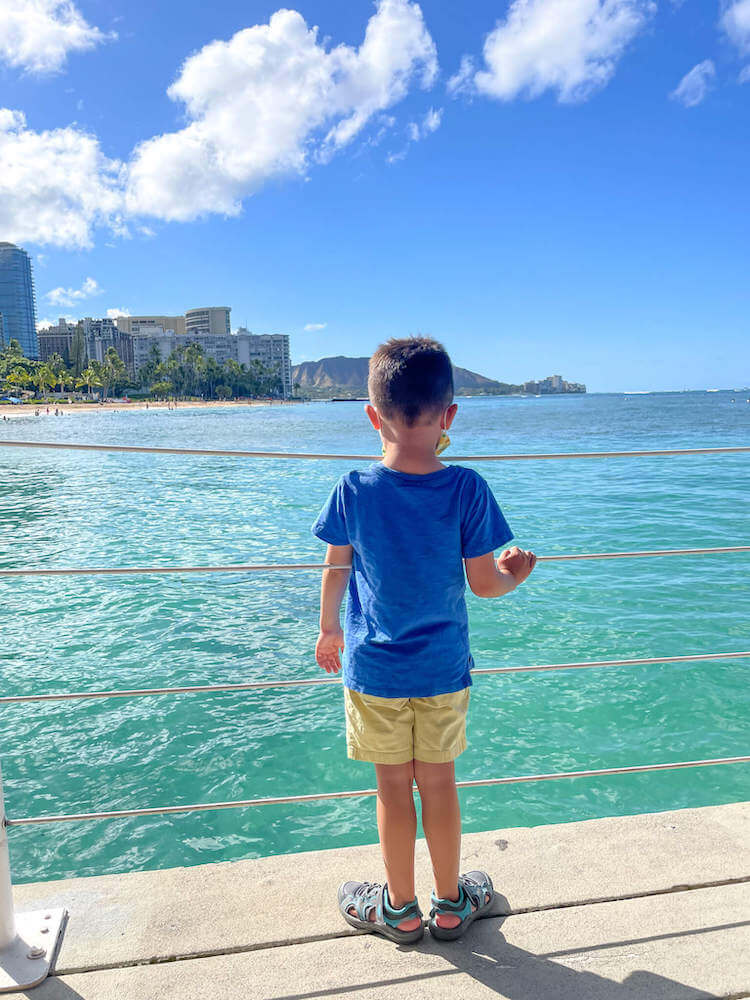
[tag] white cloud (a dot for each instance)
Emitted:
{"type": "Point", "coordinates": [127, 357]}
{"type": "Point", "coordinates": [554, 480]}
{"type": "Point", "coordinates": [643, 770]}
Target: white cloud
{"type": "Point", "coordinates": [37, 35]}
{"type": "Point", "coordinates": [314, 327]}
{"type": "Point", "coordinates": [744, 76]}
{"type": "Point", "coordinates": [735, 21]}
{"type": "Point", "coordinates": [269, 102]}
{"type": "Point", "coordinates": [694, 85]}
{"type": "Point", "coordinates": [432, 121]}
{"type": "Point", "coordinates": [42, 324]}
{"type": "Point", "coordinates": [114, 313]}
{"type": "Point", "coordinates": [416, 131]}
{"type": "Point", "coordinates": [68, 296]}
{"type": "Point", "coordinates": [55, 186]}
{"type": "Point", "coordinates": [568, 46]}
{"type": "Point", "coordinates": [462, 81]}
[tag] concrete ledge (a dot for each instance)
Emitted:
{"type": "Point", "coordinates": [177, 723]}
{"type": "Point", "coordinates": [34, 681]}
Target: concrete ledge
{"type": "Point", "coordinates": [119, 920]}
{"type": "Point", "coordinates": [680, 946]}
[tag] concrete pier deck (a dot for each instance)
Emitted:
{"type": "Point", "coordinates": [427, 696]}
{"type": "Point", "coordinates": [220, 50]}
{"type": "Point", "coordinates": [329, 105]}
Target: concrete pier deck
{"type": "Point", "coordinates": [650, 907]}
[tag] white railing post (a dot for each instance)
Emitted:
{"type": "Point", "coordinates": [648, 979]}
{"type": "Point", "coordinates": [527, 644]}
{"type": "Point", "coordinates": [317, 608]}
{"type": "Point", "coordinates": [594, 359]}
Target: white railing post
{"type": "Point", "coordinates": [7, 918]}
{"type": "Point", "coordinates": [28, 942]}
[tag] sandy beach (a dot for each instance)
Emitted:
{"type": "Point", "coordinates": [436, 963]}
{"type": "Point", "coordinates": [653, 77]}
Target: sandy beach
{"type": "Point", "coordinates": [11, 411]}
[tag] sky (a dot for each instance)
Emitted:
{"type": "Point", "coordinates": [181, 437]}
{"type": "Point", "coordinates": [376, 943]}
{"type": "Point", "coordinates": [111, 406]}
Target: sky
{"type": "Point", "coordinates": [546, 186]}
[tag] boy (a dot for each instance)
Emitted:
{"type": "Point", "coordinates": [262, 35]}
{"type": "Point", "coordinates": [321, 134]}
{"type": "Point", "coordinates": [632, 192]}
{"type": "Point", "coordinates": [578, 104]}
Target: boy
{"type": "Point", "coordinates": [404, 525]}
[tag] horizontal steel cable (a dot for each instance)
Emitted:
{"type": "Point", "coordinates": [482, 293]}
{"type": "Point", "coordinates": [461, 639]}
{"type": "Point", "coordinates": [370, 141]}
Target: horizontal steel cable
{"type": "Point", "coordinates": [358, 793]}
{"type": "Point", "coordinates": [263, 567]}
{"type": "Point", "coordinates": [365, 458]}
{"type": "Point", "coordinates": [152, 570]}
{"type": "Point", "coordinates": [312, 681]}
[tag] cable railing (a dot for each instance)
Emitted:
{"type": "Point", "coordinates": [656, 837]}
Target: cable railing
{"type": "Point", "coordinates": [272, 567]}
{"type": "Point", "coordinates": [315, 681]}
{"type": "Point", "coordinates": [29, 964]}
{"type": "Point", "coordinates": [225, 453]}
{"type": "Point", "coordinates": [363, 792]}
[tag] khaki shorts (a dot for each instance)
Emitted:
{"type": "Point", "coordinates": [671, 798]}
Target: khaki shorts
{"type": "Point", "coordinates": [397, 730]}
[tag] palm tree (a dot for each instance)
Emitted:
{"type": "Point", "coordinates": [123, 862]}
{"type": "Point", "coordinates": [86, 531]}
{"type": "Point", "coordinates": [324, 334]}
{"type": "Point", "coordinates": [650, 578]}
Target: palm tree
{"type": "Point", "coordinates": [161, 389]}
{"type": "Point", "coordinates": [114, 371]}
{"type": "Point", "coordinates": [211, 376]}
{"type": "Point", "coordinates": [88, 377]}
{"type": "Point", "coordinates": [78, 351]}
{"type": "Point", "coordinates": [234, 375]}
{"type": "Point", "coordinates": [43, 378]}
{"type": "Point", "coordinates": [147, 373]}
{"type": "Point", "coordinates": [99, 371]}
{"type": "Point", "coordinates": [57, 367]}
{"type": "Point", "coordinates": [196, 366]}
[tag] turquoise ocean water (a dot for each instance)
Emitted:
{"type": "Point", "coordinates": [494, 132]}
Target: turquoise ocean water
{"type": "Point", "coordinates": [76, 509]}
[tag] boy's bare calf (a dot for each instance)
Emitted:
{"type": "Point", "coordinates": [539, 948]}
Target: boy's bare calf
{"type": "Point", "coordinates": [397, 826]}
{"type": "Point", "coordinates": [441, 821]}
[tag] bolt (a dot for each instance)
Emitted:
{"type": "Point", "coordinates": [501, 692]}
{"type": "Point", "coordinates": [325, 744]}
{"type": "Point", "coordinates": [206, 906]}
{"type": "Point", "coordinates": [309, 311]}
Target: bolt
{"type": "Point", "coordinates": [36, 951]}
{"type": "Point", "coordinates": [45, 930]}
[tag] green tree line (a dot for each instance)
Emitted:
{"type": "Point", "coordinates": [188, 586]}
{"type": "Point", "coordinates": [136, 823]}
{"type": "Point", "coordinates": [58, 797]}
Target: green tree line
{"type": "Point", "coordinates": [186, 372]}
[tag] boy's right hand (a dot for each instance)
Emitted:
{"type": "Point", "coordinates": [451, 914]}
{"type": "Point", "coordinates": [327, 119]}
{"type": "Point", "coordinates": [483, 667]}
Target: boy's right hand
{"type": "Point", "coordinates": [327, 650]}
{"type": "Point", "coordinates": [518, 562]}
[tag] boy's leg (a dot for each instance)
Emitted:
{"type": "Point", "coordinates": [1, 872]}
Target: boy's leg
{"type": "Point", "coordinates": [441, 820]}
{"type": "Point", "coordinates": [397, 826]}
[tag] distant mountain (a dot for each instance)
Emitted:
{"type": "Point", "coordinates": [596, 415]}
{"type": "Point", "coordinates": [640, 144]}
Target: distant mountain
{"type": "Point", "coordinates": [331, 373]}
{"type": "Point", "coordinates": [342, 376]}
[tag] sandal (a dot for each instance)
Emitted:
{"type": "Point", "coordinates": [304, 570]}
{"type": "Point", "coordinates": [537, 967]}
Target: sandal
{"type": "Point", "coordinates": [473, 888]}
{"type": "Point", "coordinates": [366, 896]}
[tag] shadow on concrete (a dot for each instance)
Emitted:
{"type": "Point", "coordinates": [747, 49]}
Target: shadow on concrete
{"type": "Point", "coordinates": [51, 989]}
{"type": "Point", "coordinates": [486, 957]}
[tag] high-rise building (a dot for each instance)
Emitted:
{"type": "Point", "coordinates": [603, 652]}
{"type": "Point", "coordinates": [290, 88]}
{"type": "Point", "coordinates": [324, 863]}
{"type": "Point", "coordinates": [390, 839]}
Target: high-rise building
{"type": "Point", "coordinates": [271, 349]}
{"type": "Point", "coordinates": [146, 324]}
{"type": "Point", "coordinates": [56, 340]}
{"type": "Point", "coordinates": [145, 340]}
{"type": "Point", "coordinates": [210, 319]}
{"type": "Point", "coordinates": [100, 335]}
{"type": "Point", "coordinates": [17, 302]}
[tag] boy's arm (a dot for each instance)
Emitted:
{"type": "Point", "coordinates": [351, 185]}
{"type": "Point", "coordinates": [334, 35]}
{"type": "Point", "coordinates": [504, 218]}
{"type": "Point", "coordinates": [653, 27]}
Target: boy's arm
{"type": "Point", "coordinates": [332, 588]}
{"type": "Point", "coordinates": [493, 578]}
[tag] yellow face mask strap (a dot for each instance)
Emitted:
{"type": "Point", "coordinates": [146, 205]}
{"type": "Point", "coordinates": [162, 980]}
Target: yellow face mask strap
{"type": "Point", "coordinates": [442, 444]}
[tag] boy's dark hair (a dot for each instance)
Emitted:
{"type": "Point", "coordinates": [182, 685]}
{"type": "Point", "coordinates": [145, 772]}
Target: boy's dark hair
{"type": "Point", "coordinates": [410, 377]}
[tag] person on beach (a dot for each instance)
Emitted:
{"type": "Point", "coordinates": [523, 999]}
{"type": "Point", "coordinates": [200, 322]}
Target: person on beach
{"type": "Point", "coordinates": [404, 525]}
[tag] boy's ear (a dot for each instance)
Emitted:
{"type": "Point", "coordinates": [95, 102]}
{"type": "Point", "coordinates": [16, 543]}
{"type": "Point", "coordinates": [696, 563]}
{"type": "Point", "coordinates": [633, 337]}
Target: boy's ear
{"type": "Point", "coordinates": [372, 416]}
{"type": "Point", "coordinates": [450, 414]}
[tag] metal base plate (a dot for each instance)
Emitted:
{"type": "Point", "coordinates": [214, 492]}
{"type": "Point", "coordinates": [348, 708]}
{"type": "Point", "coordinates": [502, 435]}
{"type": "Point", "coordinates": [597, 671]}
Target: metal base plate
{"type": "Point", "coordinates": [37, 934]}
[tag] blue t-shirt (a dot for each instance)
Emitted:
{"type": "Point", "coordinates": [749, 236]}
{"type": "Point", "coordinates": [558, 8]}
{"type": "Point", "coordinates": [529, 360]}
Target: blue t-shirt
{"type": "Point", "coordinates": [406, 628]}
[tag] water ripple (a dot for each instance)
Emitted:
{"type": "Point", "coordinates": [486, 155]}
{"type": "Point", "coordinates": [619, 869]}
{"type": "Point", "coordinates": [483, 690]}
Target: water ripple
{"type": "Point", "coordinates": [68, 509]}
